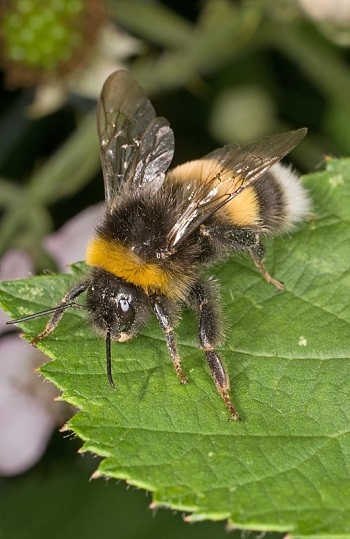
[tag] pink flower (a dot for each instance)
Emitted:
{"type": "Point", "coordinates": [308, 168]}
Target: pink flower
{"type": "Point", "coordinates": [28, 411]}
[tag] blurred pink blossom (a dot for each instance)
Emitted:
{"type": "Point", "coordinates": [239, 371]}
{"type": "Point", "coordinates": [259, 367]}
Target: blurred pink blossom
{"type": "Point", "coordinates": [28, 413]}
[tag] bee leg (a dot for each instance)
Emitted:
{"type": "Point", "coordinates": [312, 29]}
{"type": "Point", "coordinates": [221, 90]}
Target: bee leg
{"type": "Point", "coordinates": [209, 334]}
{"type": "Point", "coordinates": [67, 301]}
{"type": "Point", "coordinates": [257, 254]}
{"type": "Point", "coordinates": [166, 324]}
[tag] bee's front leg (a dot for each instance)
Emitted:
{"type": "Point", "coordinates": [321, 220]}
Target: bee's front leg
{"type": "Point", "coordinates": [67, 301]}
{"type": "Point", "coordinates": [56, 312]}
{"type": "Point", "coordinates": [166, 322]}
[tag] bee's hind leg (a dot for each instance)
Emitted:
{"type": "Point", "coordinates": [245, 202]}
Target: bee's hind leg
{"type": "Point", "coordinates": [239, 240]}
{"type": "Point", "coordinates": [257, 254]}
{"type": "Point", "coordinates": [204, 300]}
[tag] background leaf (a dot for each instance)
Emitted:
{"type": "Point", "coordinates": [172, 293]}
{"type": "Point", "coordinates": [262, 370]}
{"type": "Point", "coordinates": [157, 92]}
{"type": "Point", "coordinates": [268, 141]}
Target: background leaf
{"type": "Point", "coordinates": [284, 467]}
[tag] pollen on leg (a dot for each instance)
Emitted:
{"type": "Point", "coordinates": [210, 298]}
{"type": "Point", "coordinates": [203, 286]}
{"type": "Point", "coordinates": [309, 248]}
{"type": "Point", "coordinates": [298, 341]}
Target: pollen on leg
{"type": "Point", "coordinates": [221, 380]}
{"type": "Point", "coordinates": [41, 335]}
{"type": "Point", "coordinates": [257, 254]}
{"type": "Point", "coordinates": [233, 414]}
{"type": "Point", "coordinates": [179, 372]}
{"type": "Point", "coordinates": [170, 340]}
{"type": "Point", "coordinates": [268, 278]}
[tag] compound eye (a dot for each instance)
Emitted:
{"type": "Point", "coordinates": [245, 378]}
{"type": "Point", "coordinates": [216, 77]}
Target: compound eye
{"type": "Point", "coordinates": [126, 313]}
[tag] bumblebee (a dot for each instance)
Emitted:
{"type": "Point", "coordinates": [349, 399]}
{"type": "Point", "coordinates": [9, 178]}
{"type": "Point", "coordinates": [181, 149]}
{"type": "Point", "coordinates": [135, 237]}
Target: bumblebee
{"type": "Point", "coordinates": [162, 228]}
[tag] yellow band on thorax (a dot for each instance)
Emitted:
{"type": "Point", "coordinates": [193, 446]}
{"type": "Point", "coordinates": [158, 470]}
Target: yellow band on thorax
{"type": "Point", "coordinates": [117, 259]}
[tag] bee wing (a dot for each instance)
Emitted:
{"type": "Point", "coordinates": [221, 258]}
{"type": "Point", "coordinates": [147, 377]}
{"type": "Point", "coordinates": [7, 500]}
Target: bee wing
{"type": "Point", "coordinates": [235, 167]}
{"type": "Point", "coordinates": [136, 146]}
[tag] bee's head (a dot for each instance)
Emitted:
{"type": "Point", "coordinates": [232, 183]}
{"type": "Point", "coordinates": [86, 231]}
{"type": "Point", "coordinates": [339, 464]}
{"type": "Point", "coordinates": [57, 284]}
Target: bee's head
{"type": "Point", "coordinates": [115, 307]}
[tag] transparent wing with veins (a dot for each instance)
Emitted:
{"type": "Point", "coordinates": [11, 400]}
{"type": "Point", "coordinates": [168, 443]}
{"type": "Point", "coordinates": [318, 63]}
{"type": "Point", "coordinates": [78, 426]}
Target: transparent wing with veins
{"type": "Point", "coordinates": [136, 146]}
{"type": "Point", "coordinates": [236, 167]}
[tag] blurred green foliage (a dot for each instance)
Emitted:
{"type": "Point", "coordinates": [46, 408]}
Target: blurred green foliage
{"type": "Point", "coordinates": [233, 71]}
{"type": "Point", "coordinates": [220, 71]}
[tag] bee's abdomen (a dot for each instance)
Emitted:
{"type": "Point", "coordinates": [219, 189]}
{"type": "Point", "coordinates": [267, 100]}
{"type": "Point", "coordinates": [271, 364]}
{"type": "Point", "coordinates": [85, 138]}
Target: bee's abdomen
{"type": "Point", "coordinates": [274, 203]}
{"type": "Point", "coordinates": [283, 201]}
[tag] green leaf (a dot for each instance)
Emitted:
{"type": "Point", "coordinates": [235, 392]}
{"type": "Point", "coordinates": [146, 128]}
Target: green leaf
{"type": "Point", "coordinates": [285, 466]}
